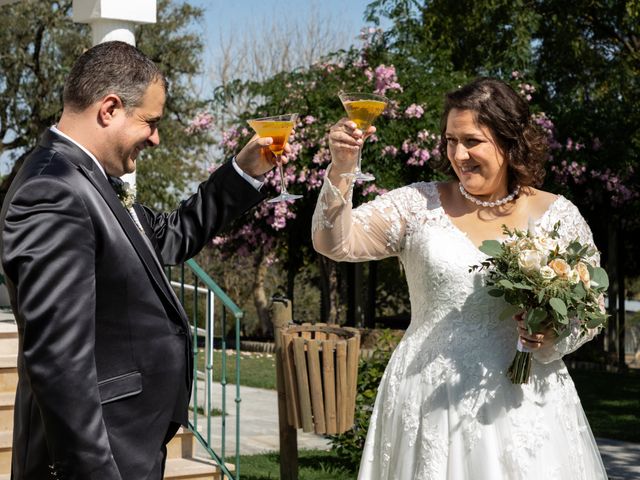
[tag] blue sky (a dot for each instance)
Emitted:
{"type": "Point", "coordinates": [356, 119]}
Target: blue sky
{"type": "Point", "coordinates": [230, 17]}
{"type": "Point", "coordinates": [227, 14]}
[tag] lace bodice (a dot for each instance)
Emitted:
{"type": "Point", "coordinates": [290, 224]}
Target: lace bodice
{"type": "Point", "coordinates": [455, 336]}
{"type": "Point", "coordinates": [410, 223]}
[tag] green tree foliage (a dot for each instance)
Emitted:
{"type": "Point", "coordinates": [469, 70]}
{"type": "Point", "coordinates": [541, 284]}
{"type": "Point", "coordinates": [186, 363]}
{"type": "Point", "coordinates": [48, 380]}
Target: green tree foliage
{"type": "Point", "coordinates": [174, 43]}
{"type": "Point", "coordinates": [38, 45]}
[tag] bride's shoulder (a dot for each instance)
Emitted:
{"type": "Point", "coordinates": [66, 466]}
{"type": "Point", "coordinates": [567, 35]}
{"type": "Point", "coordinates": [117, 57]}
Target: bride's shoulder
{"type": "Point", "coordinates": [422, 193]}
{"type": "Point", "coordinates": [540, 201]}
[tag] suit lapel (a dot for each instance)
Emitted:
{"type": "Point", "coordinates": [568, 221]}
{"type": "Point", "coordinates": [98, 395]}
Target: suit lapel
{"type": "Point", "coordinates": [150, 263]}
{"type": "Point", "coordinates": [148, 231]}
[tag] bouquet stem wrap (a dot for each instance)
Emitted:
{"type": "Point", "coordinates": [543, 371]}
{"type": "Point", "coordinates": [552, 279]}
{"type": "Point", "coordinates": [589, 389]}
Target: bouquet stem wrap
{"type": "Point", "coordinates": [521, 366]}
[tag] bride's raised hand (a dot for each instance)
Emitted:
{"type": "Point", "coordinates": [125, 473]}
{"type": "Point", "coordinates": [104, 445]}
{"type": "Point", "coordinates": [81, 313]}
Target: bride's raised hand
{"type": "Point", "coordinates": [345, 139]}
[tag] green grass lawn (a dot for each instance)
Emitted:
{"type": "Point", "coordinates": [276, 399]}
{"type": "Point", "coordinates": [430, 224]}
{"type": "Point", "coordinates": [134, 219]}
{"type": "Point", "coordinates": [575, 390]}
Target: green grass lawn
{"type": "Point", "coordinates": [312, 465]}
{"type": "Point", "coordinates": [256, 369]}
{"type": "Point", "coordinates": [611, 402]}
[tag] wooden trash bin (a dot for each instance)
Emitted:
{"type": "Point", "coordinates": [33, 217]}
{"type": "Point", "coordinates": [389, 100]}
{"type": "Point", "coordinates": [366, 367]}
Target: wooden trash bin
{"type": "Point", "coordinates": [320, 364]}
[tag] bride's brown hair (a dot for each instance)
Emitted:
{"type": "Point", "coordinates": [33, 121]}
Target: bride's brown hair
{"type": "Point", "coordinates": [499, 108]}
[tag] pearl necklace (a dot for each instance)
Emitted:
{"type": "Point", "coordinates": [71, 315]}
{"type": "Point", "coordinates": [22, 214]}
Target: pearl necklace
{"type": "Point", "coordinates": [496, 203]}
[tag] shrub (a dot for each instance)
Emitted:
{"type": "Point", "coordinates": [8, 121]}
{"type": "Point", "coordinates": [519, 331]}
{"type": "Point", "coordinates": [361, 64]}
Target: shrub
{"type": "Point", "coordinates": [350, 444]}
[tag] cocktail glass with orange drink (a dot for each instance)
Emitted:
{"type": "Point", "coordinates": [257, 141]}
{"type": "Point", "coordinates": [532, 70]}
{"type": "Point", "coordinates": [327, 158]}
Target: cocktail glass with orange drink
{"type": "Point", "coordinates": [362, 109]}
{"type": "Point", "coordinates": [279, 128]}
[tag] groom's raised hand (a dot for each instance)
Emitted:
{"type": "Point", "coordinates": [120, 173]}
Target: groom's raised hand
{"type": "Point", "coordinates": [256, 159]}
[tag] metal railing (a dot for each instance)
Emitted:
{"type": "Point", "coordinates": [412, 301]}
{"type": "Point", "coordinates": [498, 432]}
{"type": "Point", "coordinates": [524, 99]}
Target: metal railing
{"type": "Point", "coordinates": [208, 308]}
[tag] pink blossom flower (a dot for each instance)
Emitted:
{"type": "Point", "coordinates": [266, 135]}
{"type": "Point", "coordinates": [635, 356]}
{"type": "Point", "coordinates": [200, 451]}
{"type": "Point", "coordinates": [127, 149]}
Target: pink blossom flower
{"type": "Point", "coordinates": [202, 122]}
{"type": "Point", "coordinates": [390, 151]}
{"type": "Point", "coordinates": [369, 74]}
{"type": "Point", "coordinates": [372, 188]}
{"type": "Point", "coordinates": [597, 144]}
{"type": "Point", "coordinates": [315, 179]}
{"type": "Point", "coordinates": [309, 119]}
{"type": "Point", "coordinates": [392, 109]}
{"type": "Point", "coordinates": [322, 156]}
{"type": "Point", "coordinates": [414, 111]}
{"type": "Point", "coordinates": [386, 79]}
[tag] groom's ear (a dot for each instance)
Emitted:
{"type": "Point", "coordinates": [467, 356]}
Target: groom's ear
{"type": "Point", "coordinates": [109, 108]}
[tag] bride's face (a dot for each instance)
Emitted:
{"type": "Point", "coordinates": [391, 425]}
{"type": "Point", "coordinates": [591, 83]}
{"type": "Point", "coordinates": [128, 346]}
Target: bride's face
{"type": "Point", "coordinates": [475, 156]}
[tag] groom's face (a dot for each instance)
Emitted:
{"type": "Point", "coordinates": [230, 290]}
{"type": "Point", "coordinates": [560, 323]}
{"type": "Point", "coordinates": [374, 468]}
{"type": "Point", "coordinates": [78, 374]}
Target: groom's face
{"type": "Point", "coordinates": [137, 130]}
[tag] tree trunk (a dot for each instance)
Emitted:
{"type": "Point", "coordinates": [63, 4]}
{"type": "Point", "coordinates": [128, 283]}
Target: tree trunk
{"type": "Point", "coordinates": [329, 305]}
{"type": "Point", "coordinates": [260, 295]}
{"type": "Point", "coordinates": [611, 342]}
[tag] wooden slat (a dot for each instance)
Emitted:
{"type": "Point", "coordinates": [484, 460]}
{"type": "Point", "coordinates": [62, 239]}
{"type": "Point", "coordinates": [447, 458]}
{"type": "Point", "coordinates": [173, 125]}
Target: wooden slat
{"type": "Point", "coordinates": [315, 385]}
{"type": "Point", "coordinates": [329, 383]}
{"type": "Point", "coordinates": [342, 390]}
{"type": "Point", "coordinates": [306, 332]}
{"type": "Point", "coordinates": [320, 332]}
{"type": "Point", "coordinates": [303, 384]}
{"type": "Point", "coordinates": [353, 354]}
{"type": "Point", "coordinates": [290, 382]}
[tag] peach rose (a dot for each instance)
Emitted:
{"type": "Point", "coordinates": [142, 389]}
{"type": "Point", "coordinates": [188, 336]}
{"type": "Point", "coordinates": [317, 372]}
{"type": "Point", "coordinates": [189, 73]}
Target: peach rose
{"type": "Point", "coordinates": [583, 271]}
{"type": "Point", "coordinates": [561, 267]}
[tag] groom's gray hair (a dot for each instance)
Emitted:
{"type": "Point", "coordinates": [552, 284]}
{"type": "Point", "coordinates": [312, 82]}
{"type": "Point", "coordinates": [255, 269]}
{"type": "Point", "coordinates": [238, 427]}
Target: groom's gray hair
{"type": "Point", "coordinates": [110, 68]}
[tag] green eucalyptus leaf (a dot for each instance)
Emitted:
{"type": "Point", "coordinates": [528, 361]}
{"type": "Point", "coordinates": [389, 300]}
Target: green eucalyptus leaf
{"type": "Point", "coordinates": [506, 284]}
{"type": "Point", "coordinates": [493, 248]}
{"type": "Point", "coordinates": [579, 291]}
{"type": "Point", "coordinates": [558, 305]}
{"type": "Point", "coordinates": [535, 317]}
{"type": "Point", "coordinates": [599, 278]}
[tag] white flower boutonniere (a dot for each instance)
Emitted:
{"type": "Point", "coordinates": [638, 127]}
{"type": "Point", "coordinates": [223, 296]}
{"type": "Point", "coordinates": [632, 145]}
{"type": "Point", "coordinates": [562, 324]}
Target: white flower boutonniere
{"type": "Point", "coordinates": [127, 194]}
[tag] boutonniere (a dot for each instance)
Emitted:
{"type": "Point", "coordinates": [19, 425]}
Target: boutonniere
{"type": "Point", "coordinates": [126, 193]}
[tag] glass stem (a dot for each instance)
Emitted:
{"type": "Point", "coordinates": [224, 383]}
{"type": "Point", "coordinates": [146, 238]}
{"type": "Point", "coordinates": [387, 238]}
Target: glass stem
{"type": "Point", "coordinates": [283, 183]}
{"type": "Point", "coordinates": [359, 159]}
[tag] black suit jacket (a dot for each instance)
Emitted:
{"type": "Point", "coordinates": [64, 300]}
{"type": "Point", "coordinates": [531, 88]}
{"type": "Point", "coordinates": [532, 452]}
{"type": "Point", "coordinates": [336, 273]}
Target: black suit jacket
{"type": "Point", "coordinates": [104, 358]}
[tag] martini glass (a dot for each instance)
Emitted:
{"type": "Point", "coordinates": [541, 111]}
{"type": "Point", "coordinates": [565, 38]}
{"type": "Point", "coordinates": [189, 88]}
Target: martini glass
{"type": "Point", "coordinates": [362, 109]}
{"type": "Point", "coordinates": [279, 128]}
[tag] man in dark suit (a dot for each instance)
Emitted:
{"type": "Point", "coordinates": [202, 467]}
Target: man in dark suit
{"type": "Point", "coordinates": [104, 359]}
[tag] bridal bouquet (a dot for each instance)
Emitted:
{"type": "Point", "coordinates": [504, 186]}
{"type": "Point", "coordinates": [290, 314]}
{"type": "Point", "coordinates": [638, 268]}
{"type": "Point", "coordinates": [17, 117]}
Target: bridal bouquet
{"type": "Point", "coordinates": [551, 284]}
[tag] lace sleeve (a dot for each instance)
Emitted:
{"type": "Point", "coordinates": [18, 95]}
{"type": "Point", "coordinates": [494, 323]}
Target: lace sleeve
{"type": "Point", "coordinates": [572, 226]}
{"type": "Point", "coordinates": [372, 231]}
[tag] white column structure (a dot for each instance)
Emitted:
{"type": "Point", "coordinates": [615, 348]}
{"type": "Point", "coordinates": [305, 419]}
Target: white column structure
{"type": "Point", "coordinates": [114, 20]}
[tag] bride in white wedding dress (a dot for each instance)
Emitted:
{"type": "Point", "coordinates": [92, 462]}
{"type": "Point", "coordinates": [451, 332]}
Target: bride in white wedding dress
{"type": "Point", "coordinates": [445, 408]}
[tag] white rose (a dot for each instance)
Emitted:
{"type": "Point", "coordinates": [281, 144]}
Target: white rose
{"type": "Point", "coordinates": [531, 260]}
{"type": "Point", "coordinates": [574, 276]}
{"type": "Point", "coordinates": [545, 244]}
{"type": "Point", "coordinates": [524, 244]}
{"type": "Point", "coordinates": [547, 272]}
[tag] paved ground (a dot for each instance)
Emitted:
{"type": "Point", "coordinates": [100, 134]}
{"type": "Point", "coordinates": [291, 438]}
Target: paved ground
{"type": "Point", "coordinates": [259, 433]}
